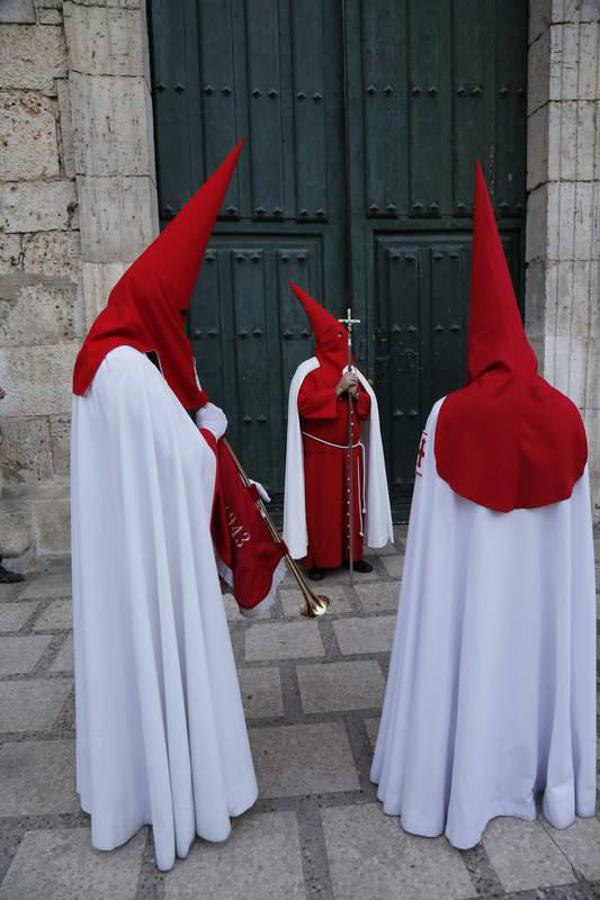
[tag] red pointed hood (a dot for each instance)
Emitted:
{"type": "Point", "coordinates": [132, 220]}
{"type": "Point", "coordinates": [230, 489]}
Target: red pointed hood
{"type": "Point", "coordinates": [507, 440]}
{"type": "Point", "coordinates": [147, 307]}
{"type": "Point", "coordinates": [331, 336]}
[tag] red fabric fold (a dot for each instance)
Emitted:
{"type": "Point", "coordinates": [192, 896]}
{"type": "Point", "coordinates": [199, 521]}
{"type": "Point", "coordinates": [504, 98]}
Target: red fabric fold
{"type": "Point", "coordinates": [147, 307]}
{"type": "Point", "coordinates": [508, 440]}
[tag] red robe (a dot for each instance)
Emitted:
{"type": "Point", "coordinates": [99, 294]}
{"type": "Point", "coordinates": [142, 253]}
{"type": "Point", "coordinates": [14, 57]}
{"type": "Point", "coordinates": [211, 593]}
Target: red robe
{"type": "Point", "coordinates": [324, 417]}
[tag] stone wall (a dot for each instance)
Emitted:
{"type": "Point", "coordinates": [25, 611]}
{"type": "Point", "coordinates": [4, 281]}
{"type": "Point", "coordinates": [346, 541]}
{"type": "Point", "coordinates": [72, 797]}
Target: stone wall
{"type": "Point", "coordinates": [77, 203]}
{"type": "Point", "coordinates": [563, 215]}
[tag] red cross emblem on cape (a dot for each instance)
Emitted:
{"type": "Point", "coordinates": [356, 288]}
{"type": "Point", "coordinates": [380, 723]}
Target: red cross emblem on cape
{"type": "Point", "coordinates": [421, 453]}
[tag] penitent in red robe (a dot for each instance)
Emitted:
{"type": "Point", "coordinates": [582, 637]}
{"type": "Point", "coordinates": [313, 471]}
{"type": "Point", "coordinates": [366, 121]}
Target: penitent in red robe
{"type": "Point", "coordinates": [324, 423]}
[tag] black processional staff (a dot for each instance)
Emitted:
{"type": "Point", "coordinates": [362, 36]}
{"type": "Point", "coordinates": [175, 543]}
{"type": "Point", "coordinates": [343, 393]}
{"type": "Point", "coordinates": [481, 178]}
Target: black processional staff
{"type": "Point", "coordinates": [349, 322]}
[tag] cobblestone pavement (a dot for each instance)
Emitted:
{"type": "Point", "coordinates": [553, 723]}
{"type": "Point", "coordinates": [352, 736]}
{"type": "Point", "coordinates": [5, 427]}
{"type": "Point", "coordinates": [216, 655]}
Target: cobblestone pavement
{"type": "Point", "coordinates": [312, 693]}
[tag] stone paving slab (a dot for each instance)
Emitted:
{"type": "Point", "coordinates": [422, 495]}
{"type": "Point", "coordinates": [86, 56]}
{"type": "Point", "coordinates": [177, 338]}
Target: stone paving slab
{"type": "Point", "coordinates": [371, 857]}
{"type": "Point", "coordinates": [365, 635]}
{"type": "Point", "coordinates": [393, 565]}
{"type": "Point", "coordinates": [31, 705]}
{"type": "Point", "coordinates": [379, 597]}
{"type": "Point", "coordinates": [283, 640]}
{"type": "Point", "coordinates": [260, 860]}
{"type": "Point", "coordinates": [372, 727]}
{"type": "Point", "coordinates": [339, 595]}
{"type": "Point", "coordinates": [37, 778]}
{"type": "Point", "coordinates": [46, 586]}
{"type": "Point", "coordinates": [18, 655]}
{"type": "Point", "coordinates": [581, 844]}
{"type": "Point", "coordinates": [525, 856]}
{"type": "Point", "coordinates": [63, 661]}
{"type": "Point", "coordinates": [59, 864]}
{"type": "Point", "coordinates": [261, 693]}
{"type": "Point", "coordinates": [14, 615]}
{"type": "Point", "coordinates": [58, 615]}
{"type": "Point", "coordinates": [337, 686]}
{"type": "Point", "coordinates": [303, 759]}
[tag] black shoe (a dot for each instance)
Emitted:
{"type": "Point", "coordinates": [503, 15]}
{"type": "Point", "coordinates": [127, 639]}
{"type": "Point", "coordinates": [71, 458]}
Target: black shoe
{"type": "Point", "coordinates": [8, 577]}
{"type": "Point", "coordinates": [316, 574]}
{"type": "Point", "coordinates": [363, 567]}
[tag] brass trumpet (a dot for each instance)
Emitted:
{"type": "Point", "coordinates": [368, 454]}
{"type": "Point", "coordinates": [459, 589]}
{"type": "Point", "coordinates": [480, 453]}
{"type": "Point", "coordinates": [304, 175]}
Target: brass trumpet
{"type": "Point", "coordinates": [314, 604]}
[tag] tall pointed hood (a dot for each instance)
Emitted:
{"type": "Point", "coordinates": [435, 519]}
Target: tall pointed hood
{"type": "Point", "coordinates": [147, 307]}
{"type": "Point", "coordinates": [331, 337]}
{"type": "Point", "coordinates": [507, 440]}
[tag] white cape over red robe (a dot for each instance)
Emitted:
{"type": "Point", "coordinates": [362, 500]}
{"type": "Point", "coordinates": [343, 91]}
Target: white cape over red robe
{"type": "Point", "coordinates": [161, 735]}
{"type": "Point", "coordinates": [491, 694]}
{"type": "Point", "coordinates": [378, 528]}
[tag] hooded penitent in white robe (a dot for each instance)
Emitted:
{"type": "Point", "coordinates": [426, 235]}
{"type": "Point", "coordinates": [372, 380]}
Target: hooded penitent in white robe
{"type": "Point", "coordinates": [378, 528]}
{"type": "Point", "coordinates": [491, 694]}
{"type": "Point", "coordinates": [161, 736]}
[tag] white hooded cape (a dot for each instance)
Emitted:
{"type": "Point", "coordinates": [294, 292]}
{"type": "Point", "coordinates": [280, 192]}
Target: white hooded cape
{"type": "Point", "coordinates": [378, 520]}
{"type": "Point", "coordinates": [491, 694]}
{"type": "Point", "coordinates": [161, 736]}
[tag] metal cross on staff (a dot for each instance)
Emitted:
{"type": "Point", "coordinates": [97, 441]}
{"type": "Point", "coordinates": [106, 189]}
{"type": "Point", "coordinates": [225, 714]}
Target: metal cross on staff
{"type": "Point", "coordinates": [349, 322]}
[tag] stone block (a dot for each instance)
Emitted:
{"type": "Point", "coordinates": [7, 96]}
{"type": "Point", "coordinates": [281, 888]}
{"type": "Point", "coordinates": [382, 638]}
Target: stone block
{"type": "Point", "coordinates": [25, 449]}
{"type": "Point", "coordinates": [51, 526]}
{"type": "Point", "coordinates": [10, 254]}
{"type": "Point", "coordinates": [339, 686]}
{"type": "Point", "coordinates": [105, 40]}
{"type": "Point", "coordinates": [540, 16]}
{"type": "Point", "coordinates": [59, 615]}
{"type": "Point", "coordinates": [50, 17]}
{"type": "Point", "coordinates": [524, 856]}
{"type": "Point", "coordinates": [63, 661]}
{"type": "Point", "coordinates": [31, 57]}
{"type": "Point", "coordinates": [28, 128]}
{"type": "Point", "coordinates": [111, 134]}
{"type": "Point", "coordinates": [97, 281]}
{"type": "Point", "coordinates": [38, 778]}
{"type": "Point", "coordinates": [53, 254]}
{"type": "Point", "coordinates": [37, 379]}
{"type": "Point", "coordinates": [14, 615]}
{"type": "Point", "coordinates": [339, 595]}
{"type": "Point", "coordinates": [37, 206]}
{"type": "Point", "coordinates": [379, 597]}
{"type": "Point", "coordinates": [586, 195]}
{"type": "Point", "coordinates": [33, 308]}
{"type": "Point", "coordinates": [587, 140]}
{"type": "Point", "coordinates": [537, 236]}
{"type": "Point", "coordinates": [294, 760]}
{"type": "Point", "coordinates": [399, 864]}
{"type": "Point", "coordinates": [588, 79]}
{"type": "Point", "coordinates": [18, 655]}
{"type": "Point", "coordinates": [283, 640]}
{"type": "Point", "coordinates": [535, 306]}
{"type": "Point", "coordinates": [537, 147]}
{"type": "Point", "coordinates": [118, 216]}
{"type": "Point", "coordinates": [31, 705]}
{"type": "Point", "coordinates": [60, 864]}
{"type": "Point", "coordinates": [60, 435]}
{"type": "Point", "coordinates": [538, 80]}
{"type": "Point", "coordinates": [15, 538]}
{"type": "Point", "coordinates": [45, 587]}
{"type": "Point", "coordinates": [261, 692]}
{"type": "Point", "coordinates": [261, 859]}
{"type": "Point", "coordinates": [17, 12]}
{"type": "Point", "coordinates": [374, 635]}
{"type": "Point", "coordinates": [65, 127]}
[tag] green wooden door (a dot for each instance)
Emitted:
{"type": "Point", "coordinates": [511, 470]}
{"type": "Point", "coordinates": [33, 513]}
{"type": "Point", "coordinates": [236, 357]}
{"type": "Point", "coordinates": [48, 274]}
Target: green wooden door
{"type": "Point", "coordinates": [376, 202]}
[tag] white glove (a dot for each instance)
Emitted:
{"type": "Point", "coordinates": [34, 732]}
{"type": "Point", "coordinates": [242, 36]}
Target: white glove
{"type": "Point", "coordinates": [213, 419]}
{"type": "Point", "coordinates": [261, 490]}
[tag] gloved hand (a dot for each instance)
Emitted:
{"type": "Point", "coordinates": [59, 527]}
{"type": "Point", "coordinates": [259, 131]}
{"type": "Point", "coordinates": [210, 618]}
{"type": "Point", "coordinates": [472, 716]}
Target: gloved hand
{"type": "Point", "coordinates": [213, 419]}
{"type": "Point", "coordinates": [261, 490]}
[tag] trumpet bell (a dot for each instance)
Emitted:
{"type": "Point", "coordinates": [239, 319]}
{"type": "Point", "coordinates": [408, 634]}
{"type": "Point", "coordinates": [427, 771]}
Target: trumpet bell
{"type": "Point", "coordinates": [314, 606]}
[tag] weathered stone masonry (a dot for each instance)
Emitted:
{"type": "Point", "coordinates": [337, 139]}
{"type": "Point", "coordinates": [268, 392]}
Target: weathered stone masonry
{"type": "Point", "coordinates": [78, 202]}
